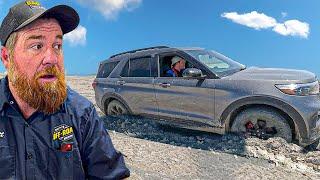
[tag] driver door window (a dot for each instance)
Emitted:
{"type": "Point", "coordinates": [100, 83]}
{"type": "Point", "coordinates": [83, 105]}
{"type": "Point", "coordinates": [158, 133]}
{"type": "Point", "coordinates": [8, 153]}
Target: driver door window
{"type": "Point", "coordinates": [165, 64]}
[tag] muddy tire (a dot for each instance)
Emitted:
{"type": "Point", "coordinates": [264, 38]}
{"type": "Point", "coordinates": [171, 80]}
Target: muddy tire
{"type": "Point", "coordinates": [271, 117]}
{"type": "Point", "coordinates": [116, 108]}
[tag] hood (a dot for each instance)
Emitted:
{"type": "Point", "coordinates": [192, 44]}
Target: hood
{"type": "Point", "coordinates": [274, 74]}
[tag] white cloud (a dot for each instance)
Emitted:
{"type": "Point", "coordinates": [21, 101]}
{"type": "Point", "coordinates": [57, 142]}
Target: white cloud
{"type": "Point", "coordinates": [77, 36]}
{"type": "Point", "coordinates": [111, 8]}
{"type": "Point", "coordinates": [293, 28]}
{"type": "Point", "coordinates": [261, 21]}
{"type": "Point", "coordinates": [253, 19]}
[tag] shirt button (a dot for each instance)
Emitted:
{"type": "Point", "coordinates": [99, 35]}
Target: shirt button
{"type": "Point", "coordinates": [26, 125]}
{"type": "Point", "coordinates": [11, 102]}
{"type": "Point", "coordinates": [29, 156]}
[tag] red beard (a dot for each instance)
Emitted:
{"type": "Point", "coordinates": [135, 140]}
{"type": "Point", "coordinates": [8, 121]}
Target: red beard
{"type": "Point", "coordinates": [45, 97]}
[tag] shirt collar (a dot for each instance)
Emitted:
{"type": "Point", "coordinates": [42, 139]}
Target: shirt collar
{"type": "Point", "coordinates": [4, 89]}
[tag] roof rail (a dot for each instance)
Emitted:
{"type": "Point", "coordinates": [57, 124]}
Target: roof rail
{"type": "Point", "coordinates": [133, 51]}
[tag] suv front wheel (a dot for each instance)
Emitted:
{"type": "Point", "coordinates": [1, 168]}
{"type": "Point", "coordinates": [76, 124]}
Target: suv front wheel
{"type": "Point", "coordinates": [262, 123]}
{"type": "Point", "coordinates": [116, 108]}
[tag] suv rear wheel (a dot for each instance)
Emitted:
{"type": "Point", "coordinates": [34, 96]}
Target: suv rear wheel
{"type": "Point", "coordinates": [262, 123]}
{"type": "Point", "coordinates": [116, 108]}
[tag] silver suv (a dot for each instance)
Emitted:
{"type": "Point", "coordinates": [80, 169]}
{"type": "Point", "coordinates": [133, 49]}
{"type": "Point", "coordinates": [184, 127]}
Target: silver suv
{"type": "Point", "coordinates": [215, 94]}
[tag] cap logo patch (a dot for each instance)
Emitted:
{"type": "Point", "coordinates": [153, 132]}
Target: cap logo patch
{"type": "Point", "coordinates": [33, 4]}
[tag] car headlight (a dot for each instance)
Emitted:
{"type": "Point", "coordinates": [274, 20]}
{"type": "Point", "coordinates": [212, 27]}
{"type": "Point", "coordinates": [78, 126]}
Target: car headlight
{"type": "Point", "coordinates": [300, 89]}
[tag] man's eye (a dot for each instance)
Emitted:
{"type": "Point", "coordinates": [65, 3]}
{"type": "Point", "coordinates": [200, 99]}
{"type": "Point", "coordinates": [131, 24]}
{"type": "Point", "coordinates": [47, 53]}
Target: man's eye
{"type": "Point", "coordinates": [57, 46]}
{"type": "Point", "coordinates": [37, 46]}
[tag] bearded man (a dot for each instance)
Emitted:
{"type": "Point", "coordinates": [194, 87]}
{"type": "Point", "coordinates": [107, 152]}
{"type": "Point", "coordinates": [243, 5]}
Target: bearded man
{"type": "Point", "coordinates": [47, 130]}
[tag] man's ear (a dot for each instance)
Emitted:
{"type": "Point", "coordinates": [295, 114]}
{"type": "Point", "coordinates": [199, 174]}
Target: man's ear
{"type": "Point", "coordinates": [5, 56]}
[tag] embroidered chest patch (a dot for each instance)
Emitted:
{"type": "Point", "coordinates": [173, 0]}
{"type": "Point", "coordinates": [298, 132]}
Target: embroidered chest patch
{"type": "Point", "coordinates": [62, 137]}
{"type": "Point", "coordinates": [62, 133]}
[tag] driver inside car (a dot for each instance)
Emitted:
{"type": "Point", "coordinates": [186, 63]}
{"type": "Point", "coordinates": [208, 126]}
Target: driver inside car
{"type": "Point", "coordinates": [177, 66]}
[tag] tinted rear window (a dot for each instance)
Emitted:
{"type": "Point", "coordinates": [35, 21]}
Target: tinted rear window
{"type": "Point", "coordinates": [138, 67]}
{"type": "Point", "coordinates": [106, 68]}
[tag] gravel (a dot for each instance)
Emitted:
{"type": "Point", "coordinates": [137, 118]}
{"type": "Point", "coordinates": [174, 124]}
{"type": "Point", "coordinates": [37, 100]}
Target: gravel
{"type": "Point", "coordinates": [154, 160]}
{"type": "Point", "coordinates": [274, 150]}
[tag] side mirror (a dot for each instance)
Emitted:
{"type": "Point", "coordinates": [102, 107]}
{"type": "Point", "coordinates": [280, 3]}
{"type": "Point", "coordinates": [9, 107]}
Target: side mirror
{"type": "Point", "coordinates": [192, 73]}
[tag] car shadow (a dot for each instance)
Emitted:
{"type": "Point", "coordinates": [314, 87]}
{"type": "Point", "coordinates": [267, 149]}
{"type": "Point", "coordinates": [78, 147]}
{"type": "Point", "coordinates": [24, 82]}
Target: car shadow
{"type": "Point", "coordinates": [148, 129]}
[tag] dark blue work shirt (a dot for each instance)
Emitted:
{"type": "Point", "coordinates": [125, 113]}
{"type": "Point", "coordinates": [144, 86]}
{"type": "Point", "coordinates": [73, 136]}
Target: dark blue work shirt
{"type": "Point", "coordinates": [69, 144]}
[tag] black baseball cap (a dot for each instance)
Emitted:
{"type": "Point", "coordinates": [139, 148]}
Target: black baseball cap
{"type": "Point", "coordinates": [26, 12]}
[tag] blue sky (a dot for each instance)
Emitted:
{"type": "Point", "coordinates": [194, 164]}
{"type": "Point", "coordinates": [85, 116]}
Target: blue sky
{"type": "Point", "coordinates": [264, 33]}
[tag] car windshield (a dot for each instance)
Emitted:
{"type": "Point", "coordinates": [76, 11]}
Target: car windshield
{"type": "Point", "coordinates": [216, 62]}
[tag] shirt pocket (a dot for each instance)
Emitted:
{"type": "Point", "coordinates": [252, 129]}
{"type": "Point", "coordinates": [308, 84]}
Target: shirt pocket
{"type": "Point", "coordinates": [7, 163]}
{"type": "Point", "coordinates": [65, 165]}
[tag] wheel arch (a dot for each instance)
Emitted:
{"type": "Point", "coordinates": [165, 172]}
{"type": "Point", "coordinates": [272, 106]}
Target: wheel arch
{"type": "Point", "coordinates": [113, 96]}
{"type": "Point", "coordinates": [293, 118]}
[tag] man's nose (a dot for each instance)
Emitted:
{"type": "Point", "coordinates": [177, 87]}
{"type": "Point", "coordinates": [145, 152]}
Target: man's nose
{"type": "Point", "coordinates": [50, 57]}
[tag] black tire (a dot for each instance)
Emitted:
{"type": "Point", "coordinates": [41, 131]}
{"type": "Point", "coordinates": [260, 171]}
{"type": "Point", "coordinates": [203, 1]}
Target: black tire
{"type": "Point", "coordinates": [116, 108]}
{"type": "Point", "coordinates": [270, 116]}
{"type": "Point", "coordinates": [315, 146]}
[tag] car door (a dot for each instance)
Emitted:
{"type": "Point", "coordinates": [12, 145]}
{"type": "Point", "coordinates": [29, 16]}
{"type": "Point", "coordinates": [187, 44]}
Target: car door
{"type": "Point", "coordinates": [196, 97]}
{"type": "Point", "coordinates": [135, 85]}
{"type": "Point", "coordinates": [187, 99]}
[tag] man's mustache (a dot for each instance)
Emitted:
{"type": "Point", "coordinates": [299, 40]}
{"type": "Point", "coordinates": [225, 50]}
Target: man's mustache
{"type": "Point", "coordinates": [48, 71]}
